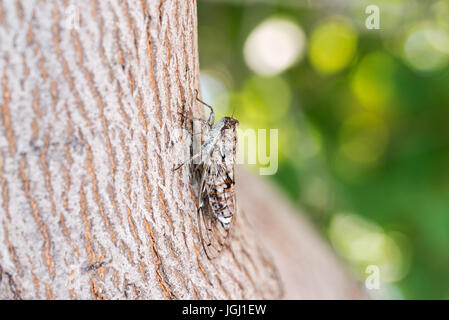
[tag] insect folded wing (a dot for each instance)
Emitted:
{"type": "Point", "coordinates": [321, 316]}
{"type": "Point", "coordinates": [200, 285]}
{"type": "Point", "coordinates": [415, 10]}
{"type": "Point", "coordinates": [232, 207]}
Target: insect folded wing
{"type": "Point", "coordinates": [216, 196]}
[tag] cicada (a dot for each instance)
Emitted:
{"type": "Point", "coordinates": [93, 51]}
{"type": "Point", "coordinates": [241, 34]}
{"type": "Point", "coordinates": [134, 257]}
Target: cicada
{"type": "Point", "coordinates": [215, 163]}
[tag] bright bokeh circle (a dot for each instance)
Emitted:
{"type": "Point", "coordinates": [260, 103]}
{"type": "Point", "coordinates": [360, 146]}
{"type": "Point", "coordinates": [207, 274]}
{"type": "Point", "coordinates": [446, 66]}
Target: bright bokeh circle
{"type": "Point", "coordinates": [273, 46]}
{"type": "Point", "coordinates": [332, 46]}
{"type": "Point", "coordinates": [426, 48]}
{"type": "Point", "coordinates": [374, 80]}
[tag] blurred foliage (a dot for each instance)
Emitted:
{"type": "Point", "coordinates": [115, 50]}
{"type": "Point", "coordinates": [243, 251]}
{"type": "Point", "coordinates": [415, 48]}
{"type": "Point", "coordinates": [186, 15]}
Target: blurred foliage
{"type": "Point", "coordinates": [362, 117]}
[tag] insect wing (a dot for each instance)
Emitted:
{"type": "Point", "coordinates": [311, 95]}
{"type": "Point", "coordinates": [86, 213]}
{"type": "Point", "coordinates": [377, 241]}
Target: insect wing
{"type": "Point", "coordinates": [217, 201]}
{"type": "Point", "coordinates": [212, 234]}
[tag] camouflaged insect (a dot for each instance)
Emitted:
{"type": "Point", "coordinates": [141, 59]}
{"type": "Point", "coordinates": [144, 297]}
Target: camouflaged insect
{"type": "Point", "coordinates": [216, 197]}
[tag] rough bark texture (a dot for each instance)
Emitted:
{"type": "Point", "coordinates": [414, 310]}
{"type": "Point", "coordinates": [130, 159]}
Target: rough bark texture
{"type": "Point", "coordinates": [89, 205]}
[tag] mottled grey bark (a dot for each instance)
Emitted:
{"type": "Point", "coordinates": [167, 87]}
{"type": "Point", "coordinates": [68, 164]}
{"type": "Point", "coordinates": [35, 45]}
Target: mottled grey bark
{"type": "Point", "coordinates": [90, 206]}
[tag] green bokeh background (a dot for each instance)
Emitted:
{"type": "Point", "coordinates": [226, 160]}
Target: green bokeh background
{"type": "Point", "coordinates": [363, 120]}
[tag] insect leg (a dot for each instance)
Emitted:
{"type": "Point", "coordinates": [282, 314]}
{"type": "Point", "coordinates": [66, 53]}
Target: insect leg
{"type": "Point", "coordinates": [212, 113]}
{"type": "Point", "coordinates": [204, 149]}
{"type": "Point", "coordinates": [187, 161]}
{"type": "Point", "coordinates": [204, 123]}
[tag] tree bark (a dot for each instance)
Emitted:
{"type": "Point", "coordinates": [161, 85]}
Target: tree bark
{"type": "Point", "coordinates": [91, 93]}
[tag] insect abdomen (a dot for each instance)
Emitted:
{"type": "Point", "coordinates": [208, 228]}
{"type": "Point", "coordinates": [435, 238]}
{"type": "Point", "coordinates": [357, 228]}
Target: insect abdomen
{"type": "Point", "coordinates": [221, 199]}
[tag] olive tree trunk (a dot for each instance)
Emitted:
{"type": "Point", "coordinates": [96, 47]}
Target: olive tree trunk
{"type": "Point", "coordinates": [90, 96]}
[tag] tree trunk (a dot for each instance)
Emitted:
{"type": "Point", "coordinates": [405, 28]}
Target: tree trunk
{"type": "Point", "coordinates": [91, 93]}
